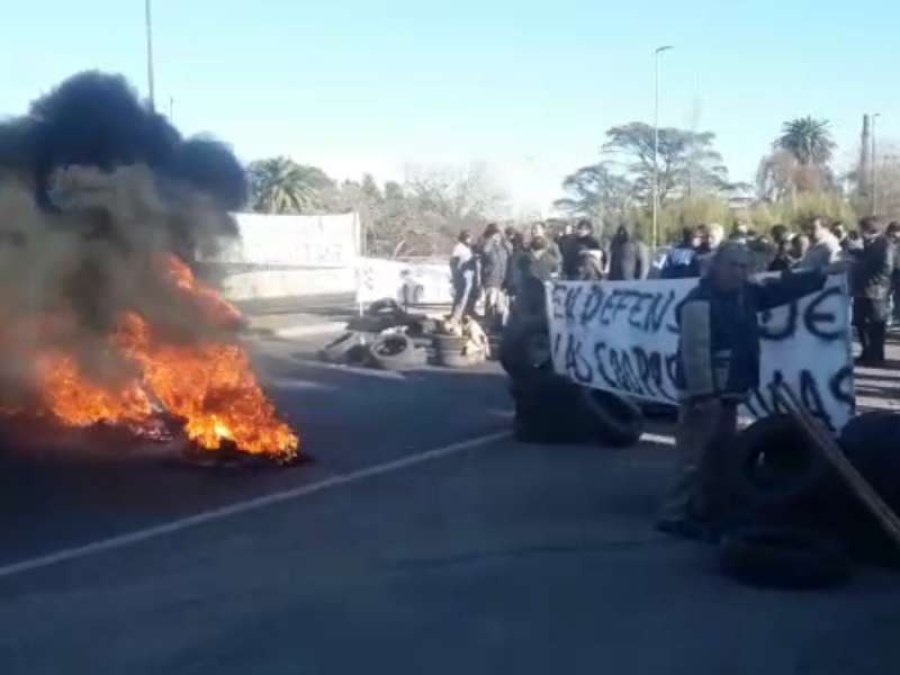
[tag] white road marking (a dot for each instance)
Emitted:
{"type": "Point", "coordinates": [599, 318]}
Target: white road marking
{"type": "Point", "coordinates": [138, 536]}
{"type": "Point", "coordinates": [659, 439]}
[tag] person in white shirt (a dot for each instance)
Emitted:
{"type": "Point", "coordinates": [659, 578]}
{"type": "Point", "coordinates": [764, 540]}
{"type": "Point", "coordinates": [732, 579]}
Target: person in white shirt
{"type": "Point", "coordinates": [462, 272]}
{"type": "Point", "coordinates": [824, 247]}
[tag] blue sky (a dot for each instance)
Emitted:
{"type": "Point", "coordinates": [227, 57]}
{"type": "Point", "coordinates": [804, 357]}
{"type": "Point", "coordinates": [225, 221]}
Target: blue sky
{"type": "Point", "coordinates": [529, 87]}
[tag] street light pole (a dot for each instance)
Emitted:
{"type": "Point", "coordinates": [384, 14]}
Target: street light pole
{"type": "Point", "coordinates": [874, 161]}
{"type": "Point", "coordinates": [656, 53]}
{"type": "Point", "coordinates": [148, 32]}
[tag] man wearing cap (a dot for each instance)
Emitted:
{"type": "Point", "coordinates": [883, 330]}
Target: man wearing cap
{"type": "Point", "coordinates": [717, 367]}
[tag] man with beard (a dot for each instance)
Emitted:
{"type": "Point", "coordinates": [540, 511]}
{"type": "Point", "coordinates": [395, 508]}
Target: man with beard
{"type": "Point", "coordinates": [871, 285]}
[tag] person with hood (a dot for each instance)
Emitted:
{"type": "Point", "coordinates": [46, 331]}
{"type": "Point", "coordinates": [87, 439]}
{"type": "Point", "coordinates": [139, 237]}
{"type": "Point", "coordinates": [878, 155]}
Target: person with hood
{"type": "Point", "coordinates": [782, 261]}
{"type": "Point", "coordinates": [824, 247]}
{"type": "Point", "coordinates": [572, 248]}
{"type": "Point", "coordinates": [717, 366]}
{"type": "Point", "coordinates": [629, 258]}
{"type": "Point", "coordinates": [494, 264]}
{"type": "Point", "coordinates": [871, 285]}
{"type": "Point", "coordinates": [682, 260]}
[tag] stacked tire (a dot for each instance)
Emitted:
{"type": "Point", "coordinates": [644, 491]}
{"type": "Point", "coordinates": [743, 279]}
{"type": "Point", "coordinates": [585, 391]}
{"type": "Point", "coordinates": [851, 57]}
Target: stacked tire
{"type": "Point", "coordinates": [550, 408]}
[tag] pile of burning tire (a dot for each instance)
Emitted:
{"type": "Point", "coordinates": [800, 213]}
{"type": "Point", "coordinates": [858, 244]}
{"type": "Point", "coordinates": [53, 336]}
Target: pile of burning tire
{"type": "Point", "coordinates": [387, 337]}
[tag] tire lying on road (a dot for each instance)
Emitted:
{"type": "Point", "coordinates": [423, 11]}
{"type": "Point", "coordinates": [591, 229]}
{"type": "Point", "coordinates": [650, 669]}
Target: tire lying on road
{"type": "Point", "coordinates": [783, 557]}
{"type": "Point", "coordinates": [870, 443]}
{"type": "Point", "coordinates": [351, 347]}
{"type": "Point", "coordinates": [611, 420]}
{"type": "Point", "coordinates": [546, 410]}
{"type": "Point", "coordinates": [773, 463]}
{"type": "Point", "coordinates": [525, 347]}
{"type": "Point", "coordinates": [397, 352]}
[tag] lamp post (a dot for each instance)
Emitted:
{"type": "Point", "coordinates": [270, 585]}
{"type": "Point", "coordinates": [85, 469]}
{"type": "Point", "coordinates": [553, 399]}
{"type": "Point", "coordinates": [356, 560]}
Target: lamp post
{"type": "Point", "coordinates": [874, 161]}
{"type": "Point", "coordinates": [656, 54]}
{"type": "Point", "coordinates": [148, 33]}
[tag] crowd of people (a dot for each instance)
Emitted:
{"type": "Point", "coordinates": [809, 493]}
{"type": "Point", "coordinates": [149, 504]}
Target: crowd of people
{"type": "Point", "coordinates": [503, 266]}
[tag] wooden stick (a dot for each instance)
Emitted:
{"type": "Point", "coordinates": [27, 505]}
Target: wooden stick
{"type": "Point", "coordinates": [832, 452]}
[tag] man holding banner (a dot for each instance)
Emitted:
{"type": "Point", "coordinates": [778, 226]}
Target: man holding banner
{"type": "Point", "coordinates": [718, 365]}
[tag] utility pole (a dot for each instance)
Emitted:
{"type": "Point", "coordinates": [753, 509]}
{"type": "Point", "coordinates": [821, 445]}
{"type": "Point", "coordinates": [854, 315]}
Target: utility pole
{"type": "Point", "coordinates": [148, 33]}
{"type": "Point", "coordinates": [656, 54]}
{"type": "Point", "coordinates": [874, 160]}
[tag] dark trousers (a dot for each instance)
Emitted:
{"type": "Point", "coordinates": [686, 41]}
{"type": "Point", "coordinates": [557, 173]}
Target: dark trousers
{"type": "Point", "coordinates": [870, 319]}
{"type": "Point", "coordinates": [464, 295]}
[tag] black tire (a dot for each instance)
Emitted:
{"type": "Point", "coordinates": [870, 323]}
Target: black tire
{"type": "Point", "coordinates": [783, 557]}
{"type": "Point", "coordinates": [421, 327]}
{"type": "Point", "coordinates": [386, 306]}
{"type": "Point", "coordinates": [870, 443]}
{"type": "Point", "coordinates": [448, 351]}
{"type": "Point", "coordinates": [609, 419]}
{"type": "Point", "coordinates": [525, 347]}
{"type": "Point", "coordinates": [660, 411]}
{"type": "Point", "coordinates": [774, 464]}
{"type": "Point", "coordinates": [348, 348]}
{"type": "Point", "coordinates": [546, 411]}
{"type": "Point", "coordinates": [396, 352]}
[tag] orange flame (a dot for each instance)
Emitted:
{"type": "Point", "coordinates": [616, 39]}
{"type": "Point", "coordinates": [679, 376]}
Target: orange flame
{"type": "Point", "coordinates": [209, 385]}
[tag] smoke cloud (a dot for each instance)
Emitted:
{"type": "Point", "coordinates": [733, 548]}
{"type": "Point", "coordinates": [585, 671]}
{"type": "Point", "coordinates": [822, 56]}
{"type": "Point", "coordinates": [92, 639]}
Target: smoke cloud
{"type": "Point", "coordinates": [96, 192]}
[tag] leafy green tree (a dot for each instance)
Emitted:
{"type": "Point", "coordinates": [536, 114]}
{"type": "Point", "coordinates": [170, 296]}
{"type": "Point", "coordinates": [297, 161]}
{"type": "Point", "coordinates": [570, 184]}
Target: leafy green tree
{"type": "Point", "coordinates": [688, 161]}
{"type": "Point", "coordinates": [280, 185]}
{"type": "Point", "coordinates": [808, 140]}
{"type": "Point", "coordinates": [597, 193]}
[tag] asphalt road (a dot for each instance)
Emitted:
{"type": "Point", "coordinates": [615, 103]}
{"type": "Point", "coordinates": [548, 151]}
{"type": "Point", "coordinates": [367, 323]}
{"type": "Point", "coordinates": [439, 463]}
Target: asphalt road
{"type": "Point", "coordinates": [421, 540]}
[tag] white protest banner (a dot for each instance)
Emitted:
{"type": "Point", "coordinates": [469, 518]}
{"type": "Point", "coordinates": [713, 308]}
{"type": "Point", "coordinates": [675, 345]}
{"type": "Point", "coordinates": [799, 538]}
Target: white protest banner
{"type": "Point", "coordinates": [294, 241]}
{"type": "Point", "coordinates": [407, 282]}
{"type": "Point", "coordinates": [623, 336]}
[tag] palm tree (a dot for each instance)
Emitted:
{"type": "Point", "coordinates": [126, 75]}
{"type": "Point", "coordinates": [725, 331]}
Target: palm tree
{"type": "Point", "coordinates": [808, 140]}
{"type": "Point", "coordinates": [280, 185]}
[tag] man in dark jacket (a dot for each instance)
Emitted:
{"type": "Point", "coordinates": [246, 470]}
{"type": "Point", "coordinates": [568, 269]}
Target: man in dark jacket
{"type": "Point", "coordinates": [871, 285]}
{"type": "Point", "coordinates": [717, 368]}
{"type": "Point", "coordinates": [629, 258]}
{"type": "Point", "coordinates": [683, 261]}
{"type": "Point", "coordinates": [575, 245]}
{"type": "Point", "coordinates": [494, 262]}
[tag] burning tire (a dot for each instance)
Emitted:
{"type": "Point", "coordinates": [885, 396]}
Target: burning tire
{"type": "Point", "coordinates": [612, 420]}
{"type": "Point", "coordinates": [781, 557]}
{"type": "Point", "coordinates": [397, 352]}
{"type": "Point", "coordinates": [773, 464]}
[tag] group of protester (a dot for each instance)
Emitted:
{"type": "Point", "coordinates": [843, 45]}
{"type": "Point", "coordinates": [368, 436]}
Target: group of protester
{"type": "Point", "coordinates": [504, 266]}
{"type": "Point", "coordinates": [718, 360]}
{"type": "Point", "coordinates": [719, 332]}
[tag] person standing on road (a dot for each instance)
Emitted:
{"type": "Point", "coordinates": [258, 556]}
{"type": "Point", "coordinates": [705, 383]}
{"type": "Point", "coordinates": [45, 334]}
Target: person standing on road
{"type": "Point", "coordinates": [463, 268]}
{"type": "Point", "coordinates": [871, 285]}
{"type": "Point", "coordinates": [893, 235]}
{"type": "Point", "coordinates": [628, 257]}
{"type": "Point", "coordinates": [575, 245]}
{"type": "Point", "coordinates": [711, 237]}
{"type": "Point", "coordinates": [824, 247]}
{"type": "Point", "coordinates": [783, 260]}
{"type": "Point", "coordinates": [494, 264]}
{"type": "Point", "coordinates": [717, 367]}
{"type": "Point", "coordinates": [683, 261]}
